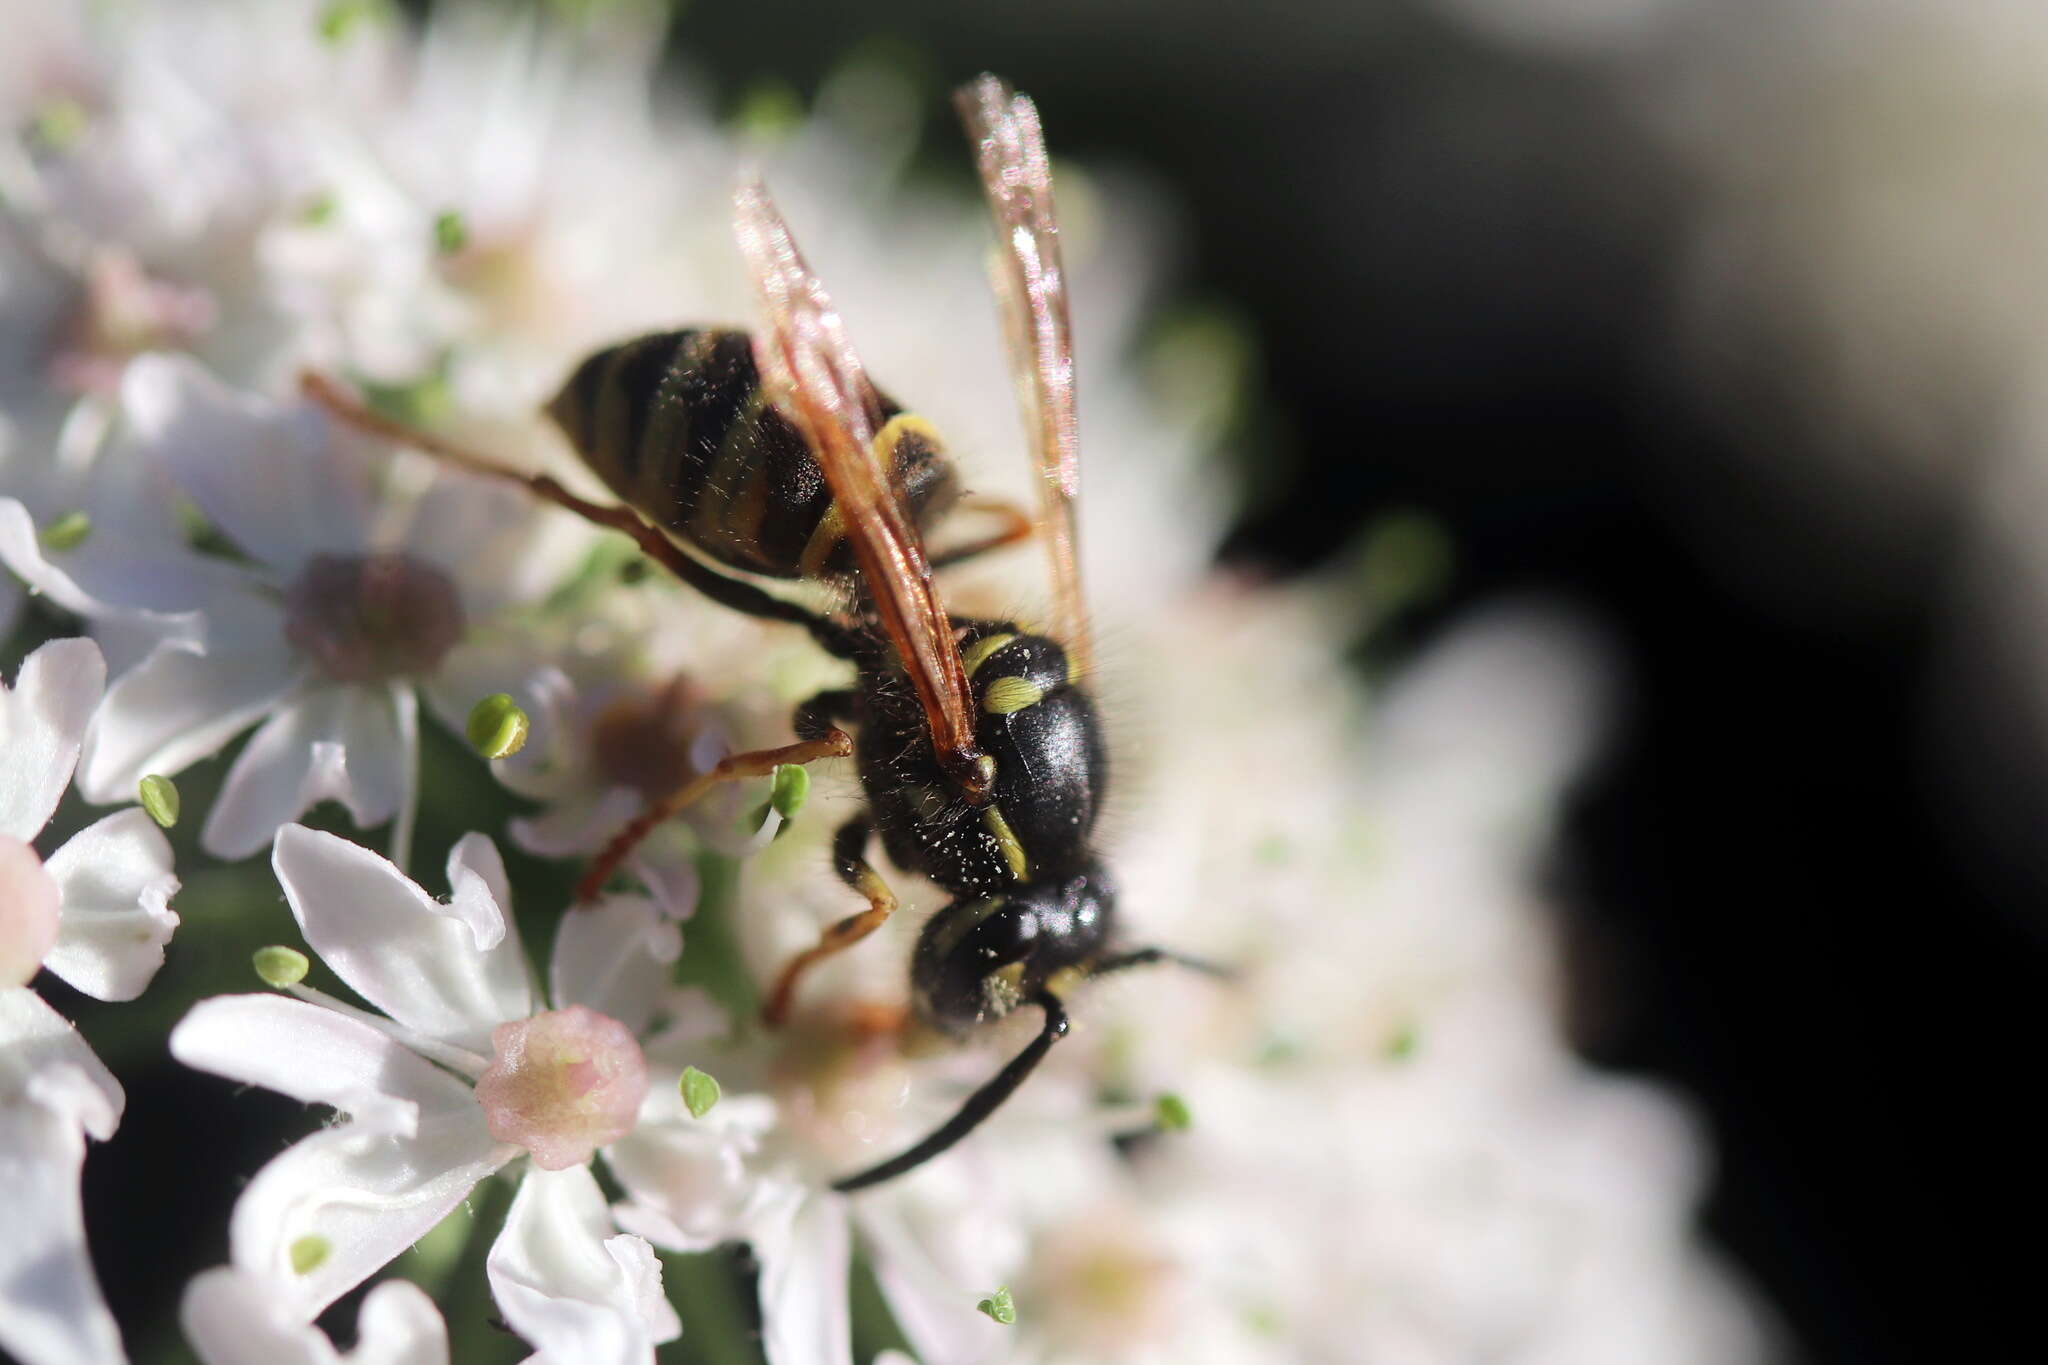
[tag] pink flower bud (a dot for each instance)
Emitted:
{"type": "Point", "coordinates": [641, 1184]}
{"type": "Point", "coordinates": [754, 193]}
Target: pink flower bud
{"type": "Point", "coordinates": [562, 1085]}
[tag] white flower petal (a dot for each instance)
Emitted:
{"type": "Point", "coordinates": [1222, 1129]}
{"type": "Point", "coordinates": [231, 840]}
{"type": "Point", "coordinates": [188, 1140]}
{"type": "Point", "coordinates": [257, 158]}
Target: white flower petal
{"type": "Point", "coordinates": [501, 544]}
{"type": "Point", "coordinates": [577, 824]}
{"type": "Point", "coordinates": [42, 724]}
{"type": "Point", "coordinates": [365, 1196]}
{"type": "Point", "coordinates": [936, 1312]}
{"type": "Point", "coordinates": [615, 957]}
{"type": "Point", "coordinates": [805, 1249]}
{"type": "Point", "coordinates": [176, 707]}
{"type": "Point", "coordinates": [52, 1092]}
{"type": "Point", "coordinates": [268, 476]}
{"type": "Point", "coordinates": [116, 883]}
{"type": "Point", "coordinates": [666, 863]}
{"type": "Point", "coordinates": [368, 1189]}
{"type": "Point", "coordinates": [686, 1179]}
{"type": "Point", "coordinates": [317, 1056]}
{"type": "Point", "coordinates": [22, 551]}
{"type": "Point", "coordinates": [329, 744]}
{"type": "Point", "coordinates": [232, 1317]}
{"type": "Point", "coordinates": [43, 1062]}
{"type": "Point", "coordinates": [479, 892]}
{"type": "Point", "coordinates": [418, 961]}
{"type": "Point", "coordinates": [571, 1287]}
{"type": "Point", "coordinates": [399, 1325]}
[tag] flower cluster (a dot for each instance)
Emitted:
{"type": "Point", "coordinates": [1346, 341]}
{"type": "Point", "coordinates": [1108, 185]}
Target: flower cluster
{"type": "Point", "coordinates": [1370, 1140]}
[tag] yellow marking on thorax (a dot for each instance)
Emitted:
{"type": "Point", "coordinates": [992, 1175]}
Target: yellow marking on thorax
{"type": "Point", "coordinates": [1007, 842]}
{"type": "Point", "coordinates": [1006, 696]}
{"type": "Point", "coordinates": [976, 654]}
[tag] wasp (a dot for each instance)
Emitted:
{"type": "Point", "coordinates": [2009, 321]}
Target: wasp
{"type": "Point", "coordinates": [980, 752]}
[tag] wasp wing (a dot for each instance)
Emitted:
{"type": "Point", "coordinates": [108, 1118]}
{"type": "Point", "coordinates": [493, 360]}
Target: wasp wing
{"type": "Point", "coordinates": [1031, 284]}
{"type": "Point", "coordinates": [810, 370]}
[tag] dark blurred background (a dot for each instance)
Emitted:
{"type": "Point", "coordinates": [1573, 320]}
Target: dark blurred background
{"type": "Point", "coordinates": [1460, 255]}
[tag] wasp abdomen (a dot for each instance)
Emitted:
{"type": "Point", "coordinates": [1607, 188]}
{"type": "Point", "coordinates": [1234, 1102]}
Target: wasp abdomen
{"type": "Point", "coordinates": [678, 428]}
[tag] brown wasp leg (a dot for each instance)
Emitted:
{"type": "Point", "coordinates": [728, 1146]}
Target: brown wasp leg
{"type": "Point", "coordinates": [728, 592]}
{"type": "Point", "coordinates": [849, 850]}
{"type": "Point", "coordinates": [1017, 526]}
{"type": "Point", "coordinates": [754, 763]}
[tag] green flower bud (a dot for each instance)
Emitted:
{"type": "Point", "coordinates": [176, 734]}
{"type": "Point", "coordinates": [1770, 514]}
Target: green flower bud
{"type": "Point", "coordinates": [159, 796]}
{"type": "Point", "coordinates": [280, 966]}
{"type": "Point", "coordinates": [1000, 1307]}
{"type": "Point", "coordinates": [497, 727]}
{"type": "Point", "coordinates": [451, 234]}
{"type": "Point", "coordinates": [700, 1091]}
{"type": "Point", "coordinates": [1170, 1112]}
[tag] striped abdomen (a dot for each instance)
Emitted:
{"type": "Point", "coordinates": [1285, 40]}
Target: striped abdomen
{"type": "Point", "coordinates": [676, 425]}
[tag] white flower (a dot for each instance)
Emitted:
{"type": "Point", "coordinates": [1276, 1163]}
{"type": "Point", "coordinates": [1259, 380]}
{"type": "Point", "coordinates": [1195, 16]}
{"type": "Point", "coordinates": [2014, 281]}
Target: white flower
{"type": "Point", "coordinates": [53, 1094]}
{"type": "Point", "coordinates": [350, 603]}
{"type": "Point", "coordinates": [110, 885]}
{"type": "Point", "coordinates": [454, 984]}
{"type": "Point", "coordinates": [97, 914]}
{"type": "Point", "coordinates": [234, 1318]}
{"type": "Point", "coordinates": [800, 1109]}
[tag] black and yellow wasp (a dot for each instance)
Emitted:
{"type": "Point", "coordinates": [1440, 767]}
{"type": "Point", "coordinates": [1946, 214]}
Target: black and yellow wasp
{"type": "Point", "coordinates": [979, 749]}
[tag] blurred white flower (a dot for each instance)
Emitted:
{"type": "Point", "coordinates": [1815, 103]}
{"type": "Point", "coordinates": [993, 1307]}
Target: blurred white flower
{"type": "Point", "coordinates": [232, 1317]}
{"type": "Point", "coordinates": [350, 598]}
{"type": "Point", "coordinates": [802, 1107]}
{"type": "Point", "coordinates": [97, 914]}
{"type": "Point", "coordinates": [460, 1014]}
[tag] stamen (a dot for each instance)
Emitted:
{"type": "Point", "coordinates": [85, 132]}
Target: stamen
{"type": "Point", "coordinates": [456, 1059]}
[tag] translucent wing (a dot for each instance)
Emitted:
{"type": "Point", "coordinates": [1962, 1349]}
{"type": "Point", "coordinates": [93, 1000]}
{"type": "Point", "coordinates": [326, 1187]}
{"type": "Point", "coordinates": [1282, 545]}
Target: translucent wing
{"type": "Point", "coordinates": [1031, 285]}
{"type": "Point", "coordinates": [811, 372]}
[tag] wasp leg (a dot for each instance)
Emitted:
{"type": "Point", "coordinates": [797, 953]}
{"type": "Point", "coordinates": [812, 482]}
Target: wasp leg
{"type": "Point", "coordinates": [979, 1106]}
{"type": "Point", "coordinates": [1017, 526]}
{"type": "Point", "coordinates": [849, 859]}
{"type": "Point", "coordinates": [754, 763]}
{"type": "Point", "coordinates": [726, 591]}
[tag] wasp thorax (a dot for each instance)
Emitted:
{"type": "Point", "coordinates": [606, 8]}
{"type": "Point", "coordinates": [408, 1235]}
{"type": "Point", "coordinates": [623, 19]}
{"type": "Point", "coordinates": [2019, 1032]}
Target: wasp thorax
{"type": "Point", "coordinates": [366, 618]}
{"type": "Point", "coordinates": [562, 1084]}
{"type": "Point", "coordinates": [649, 740]}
